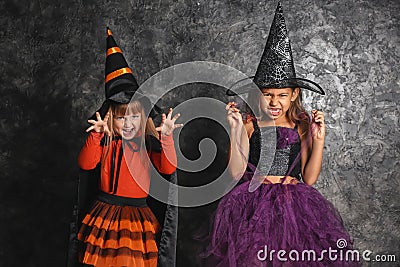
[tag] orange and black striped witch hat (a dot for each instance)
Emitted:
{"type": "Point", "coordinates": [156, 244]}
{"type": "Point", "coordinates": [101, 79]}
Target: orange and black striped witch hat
{"type": "Point", "coordinates": [120, 84]}
{"type": "Point", "coordinates": [119, 80]}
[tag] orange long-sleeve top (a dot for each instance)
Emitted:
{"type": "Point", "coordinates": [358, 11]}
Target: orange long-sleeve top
{"type": "Point", "coordinates": [134, 177]}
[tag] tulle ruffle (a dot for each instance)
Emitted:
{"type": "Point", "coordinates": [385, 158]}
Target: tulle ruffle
{"type": "Point", "coordinates": [289, 217]}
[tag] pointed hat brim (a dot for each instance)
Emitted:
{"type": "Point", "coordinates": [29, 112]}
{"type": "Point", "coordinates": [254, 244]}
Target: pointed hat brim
{"type": "Point", "coordinates": [151, 109]}
{"type": "Point", "coordinates": [245, 85]}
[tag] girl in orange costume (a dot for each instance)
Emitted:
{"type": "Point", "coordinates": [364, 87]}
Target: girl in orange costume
{"type": "Point", "coordinates": [120, 229]}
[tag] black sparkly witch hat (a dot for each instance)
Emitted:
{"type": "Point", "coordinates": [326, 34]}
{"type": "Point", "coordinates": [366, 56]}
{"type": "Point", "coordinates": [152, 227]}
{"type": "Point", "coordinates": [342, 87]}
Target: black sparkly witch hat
{"type": "Point", "coordinates": [276, 68]}
{"type": "Point", "coordinates": [120, 84]}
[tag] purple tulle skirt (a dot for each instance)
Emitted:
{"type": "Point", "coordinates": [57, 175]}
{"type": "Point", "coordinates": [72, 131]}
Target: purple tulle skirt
{"type": "Point", "coordinates": [250, 228]}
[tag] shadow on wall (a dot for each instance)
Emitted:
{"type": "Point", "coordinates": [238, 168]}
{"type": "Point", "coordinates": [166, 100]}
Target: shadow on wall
{"type": "Point", "coordinates": [38, 171]}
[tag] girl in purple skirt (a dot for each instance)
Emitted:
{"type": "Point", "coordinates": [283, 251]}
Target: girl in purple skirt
{"type": "Point", "coordinates": [274, 217]}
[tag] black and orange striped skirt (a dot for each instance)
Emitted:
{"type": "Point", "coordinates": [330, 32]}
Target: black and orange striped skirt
{"type": "Point", "coordinates": [119, 232]}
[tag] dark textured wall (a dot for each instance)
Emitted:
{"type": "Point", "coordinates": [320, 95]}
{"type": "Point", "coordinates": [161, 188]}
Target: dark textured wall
{"type": "Point", "coordinates": [52, 69]}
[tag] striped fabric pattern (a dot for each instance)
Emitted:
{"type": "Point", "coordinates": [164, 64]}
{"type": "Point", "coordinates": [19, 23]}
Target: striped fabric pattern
{"type": "Point", "coordinates": [119, 236]}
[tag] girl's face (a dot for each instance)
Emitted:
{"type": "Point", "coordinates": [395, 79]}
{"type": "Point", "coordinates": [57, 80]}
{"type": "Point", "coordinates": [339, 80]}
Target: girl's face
{"type": "Point", "coordinates": [276, 102]}
{"type": "Point", "coordinates": [126, 125]}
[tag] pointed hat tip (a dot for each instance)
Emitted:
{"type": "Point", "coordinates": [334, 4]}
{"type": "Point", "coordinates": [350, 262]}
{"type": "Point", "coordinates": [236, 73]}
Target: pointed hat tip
{"type": "Point", "coordinates": [109, 33]}
{"type": "Point", "coordinates": [279, 6]}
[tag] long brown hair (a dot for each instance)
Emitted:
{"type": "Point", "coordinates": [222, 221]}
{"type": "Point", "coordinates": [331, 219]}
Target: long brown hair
{"type": "Point", "coordinates": [134, 107]}
{"type": "Point", "coordinates": [296, 113]}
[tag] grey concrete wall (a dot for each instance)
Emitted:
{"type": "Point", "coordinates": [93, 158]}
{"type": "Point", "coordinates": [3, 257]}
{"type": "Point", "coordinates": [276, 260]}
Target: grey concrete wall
{"type": "Point", "coordinates": [52, 69]}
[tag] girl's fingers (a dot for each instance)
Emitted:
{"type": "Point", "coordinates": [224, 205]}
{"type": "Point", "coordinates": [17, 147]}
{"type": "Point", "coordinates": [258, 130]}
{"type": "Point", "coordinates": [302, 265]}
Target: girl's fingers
{"type": "Point", "coordinates": [178, 125]}
{"type": "Point", "coordinates": [230, 115]}
{"type": "Point", "coordinates": [92, 121]}
{"type": "Point", "coordinates": [176, 117]}
{"type": "Point", "coordinates": [319, 114]}
{"type": "Point", "coordinates": [234, 113]}
{"type": "Point", "coordinates": [98, 116]}
{"type": "Point", "coordinates": [229, 105]}
{"type": "Point", "coordinates": [316, 116]}
{"type": "Point", "coordinates": [90, 128]}
{"type": "Point", "coordinates": [163, 118]}
{"type": "Point", "coordinates": [169, 113]}
{"type": "Point", "coordinates": [315, 112]}
{"type": "Point", "coordinates": [319, 118]}
{"type": "Point", "coordinates": [238, 116]}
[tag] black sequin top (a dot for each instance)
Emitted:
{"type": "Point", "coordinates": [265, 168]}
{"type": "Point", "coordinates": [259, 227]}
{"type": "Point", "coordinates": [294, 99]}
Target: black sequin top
{"type": "Point", "coordinates": [279, 156]}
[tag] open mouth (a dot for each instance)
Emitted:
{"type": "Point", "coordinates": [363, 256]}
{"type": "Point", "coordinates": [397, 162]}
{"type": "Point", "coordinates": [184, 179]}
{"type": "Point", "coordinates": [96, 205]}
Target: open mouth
{"type": "Point", "coordinates": [275, 111]}
{"type": "Point", "coordinates": [128, 132]}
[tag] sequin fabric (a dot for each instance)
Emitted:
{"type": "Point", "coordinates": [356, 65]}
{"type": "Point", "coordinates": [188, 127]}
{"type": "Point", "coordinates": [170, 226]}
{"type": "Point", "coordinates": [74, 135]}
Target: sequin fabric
{"type": "Point", "coordinates": [287, 148]}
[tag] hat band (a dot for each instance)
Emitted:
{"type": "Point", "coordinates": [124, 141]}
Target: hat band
{"type": "Point", "coordinates": [117, 73]}
{"type": "Point", "coordinates": [113, 50]}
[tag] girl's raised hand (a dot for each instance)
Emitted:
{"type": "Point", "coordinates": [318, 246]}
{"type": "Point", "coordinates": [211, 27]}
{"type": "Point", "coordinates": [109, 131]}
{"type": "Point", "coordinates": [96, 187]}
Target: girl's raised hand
{"type": "Point", "coordinates": [99, 125]}
{"type": "Point", "coordinates": [233, 117]}
{"type": "Point", "coordinates": [318, 125]}
{"type": "Point", "coordinates": [168, 125]}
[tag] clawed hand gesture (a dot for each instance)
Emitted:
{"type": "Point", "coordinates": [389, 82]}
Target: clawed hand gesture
{"type": "Point", "coordinates": [317, 125]}
{"type": "Point", "coordinates": [168, 125]}
{"type": "Point", "coordinates": [234, 117]}
{"type": "Point", "coordinates": [99, 125]}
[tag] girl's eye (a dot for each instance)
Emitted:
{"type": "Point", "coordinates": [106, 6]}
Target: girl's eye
{"type": "Point", "coordinates": [284, 95]}
{"type": "Point", "coordinates": [132, 117]}
{"type": "Point", "coordinates": [125, 118]}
